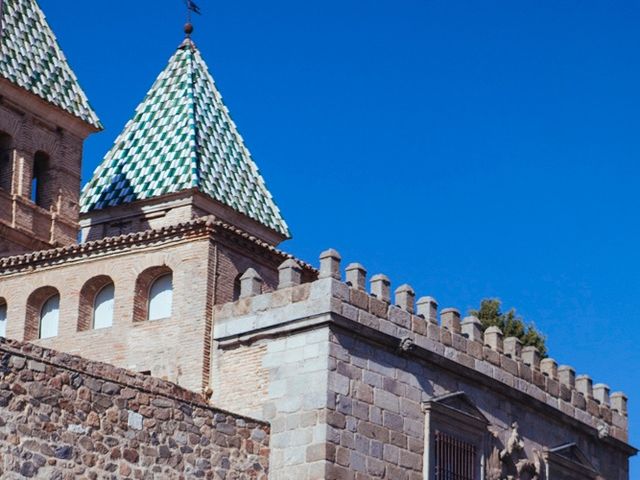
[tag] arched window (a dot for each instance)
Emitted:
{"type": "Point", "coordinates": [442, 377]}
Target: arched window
{"type": "Point", "coordinates": [3, 318]}
{"type": "Point", "coordinates": [39, 194]}
{"type": "Point", "coordinates": [161, 297]}
{"type": "Point", "coordinates": [6, 161]}
{"type": "Point", "coordinates": [96, 303]}
{"type": "Point", "coordinates": [153, 294]}
{"type": "Point", "coordinates": [103, 307]}
{"type": "Point", "coordinates": [40, 306]}
{"type": "Point", "coordinates": [49, 317]}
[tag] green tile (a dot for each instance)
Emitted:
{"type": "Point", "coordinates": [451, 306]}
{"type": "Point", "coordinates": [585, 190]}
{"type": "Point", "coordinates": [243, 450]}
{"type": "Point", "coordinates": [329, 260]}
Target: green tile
{"type": "Point", "coordinates": [180, 137]}
{"type": "Point", "coordinates": [31, 58]}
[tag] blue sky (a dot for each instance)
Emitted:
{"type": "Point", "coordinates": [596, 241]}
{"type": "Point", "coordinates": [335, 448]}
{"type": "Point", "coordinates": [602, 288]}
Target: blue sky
{"type": "Point", "coordinates": [471, 149]}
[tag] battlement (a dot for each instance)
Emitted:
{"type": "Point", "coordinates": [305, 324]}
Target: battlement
{"type": "Point", "coordinates": [417, 327]}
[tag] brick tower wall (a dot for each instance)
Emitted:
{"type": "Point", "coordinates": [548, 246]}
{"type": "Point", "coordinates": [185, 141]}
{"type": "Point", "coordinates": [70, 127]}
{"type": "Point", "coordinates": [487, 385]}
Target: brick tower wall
{"type": "Point", "coordinates": [38, 139]}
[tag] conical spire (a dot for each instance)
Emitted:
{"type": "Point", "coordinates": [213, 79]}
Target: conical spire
{"type": "Point", "coordinates": [31, 58]}
{"type": "Point", "coordinates": [182, 137]}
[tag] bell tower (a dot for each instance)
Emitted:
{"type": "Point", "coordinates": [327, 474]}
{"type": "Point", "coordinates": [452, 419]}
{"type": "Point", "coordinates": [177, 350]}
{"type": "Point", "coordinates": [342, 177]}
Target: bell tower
{"type": "Point", "coordinates": [44, 120]}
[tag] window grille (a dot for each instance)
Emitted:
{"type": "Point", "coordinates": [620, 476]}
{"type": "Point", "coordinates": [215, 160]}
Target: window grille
{"type": "Point", "coordinates": [455, 459]}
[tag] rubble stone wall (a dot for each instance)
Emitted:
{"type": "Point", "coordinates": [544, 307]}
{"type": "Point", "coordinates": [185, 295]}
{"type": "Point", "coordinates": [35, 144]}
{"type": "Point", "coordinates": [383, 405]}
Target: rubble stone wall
{"type": "Point", "coordinates": [63, 417]}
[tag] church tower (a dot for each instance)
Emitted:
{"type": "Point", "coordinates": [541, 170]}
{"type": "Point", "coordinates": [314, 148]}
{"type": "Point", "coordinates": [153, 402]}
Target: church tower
{"type": "Point", "coordinates": [44, 119]}
{"type": "Point", "coordinates": [179, 158]}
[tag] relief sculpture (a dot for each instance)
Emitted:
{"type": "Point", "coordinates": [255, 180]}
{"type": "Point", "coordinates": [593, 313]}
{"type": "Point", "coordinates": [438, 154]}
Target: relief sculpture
{"type": "Point", "coordinates": [512, 463]}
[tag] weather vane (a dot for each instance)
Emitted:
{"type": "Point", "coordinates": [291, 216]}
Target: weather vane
{"type": "Point", "coordinates": [191, 7]}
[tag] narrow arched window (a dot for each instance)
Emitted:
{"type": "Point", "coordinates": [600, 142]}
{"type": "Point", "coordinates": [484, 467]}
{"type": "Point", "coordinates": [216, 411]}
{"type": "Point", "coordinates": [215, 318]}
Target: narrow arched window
{"type": "Point", "coordinates": [39, 190]}
{"type": "Point", "coordinates": [6, 161]}
{"type": "Point", "coordinates": [103, 307]}
{"type": "Point", "coordinates": [161, 297]}
{"type": "Point", "coordinates": [3, 318]}
{"type": "Point", "coordinates": [49, 317]}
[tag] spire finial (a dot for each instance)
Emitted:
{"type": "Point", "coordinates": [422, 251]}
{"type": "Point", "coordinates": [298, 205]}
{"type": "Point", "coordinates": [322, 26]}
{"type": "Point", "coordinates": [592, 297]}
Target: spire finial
{"type": "Point", "coordinates": [191, 7]}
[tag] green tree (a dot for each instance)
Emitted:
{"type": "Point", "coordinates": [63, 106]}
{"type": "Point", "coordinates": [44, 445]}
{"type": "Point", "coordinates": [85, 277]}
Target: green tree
{"type": "Point", "coordinates": [490, 315]}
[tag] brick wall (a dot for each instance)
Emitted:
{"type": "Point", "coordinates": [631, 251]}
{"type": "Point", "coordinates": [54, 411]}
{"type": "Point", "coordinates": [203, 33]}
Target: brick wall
{"type": "Point", "coordinates": [204, 265]}
{"type": "Point", "coordinates": [63, 417]}
{"type": "Point", "coordinates": [239, 381]}
{"type": "Point", "coordinates": [27, 135]}
{"type": "Point", "coordinates": [172, 348]}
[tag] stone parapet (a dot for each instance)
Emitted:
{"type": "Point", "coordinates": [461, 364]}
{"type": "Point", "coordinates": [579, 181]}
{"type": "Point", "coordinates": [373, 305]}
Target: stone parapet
{"type": "Point", "coordinates": [460, 345]}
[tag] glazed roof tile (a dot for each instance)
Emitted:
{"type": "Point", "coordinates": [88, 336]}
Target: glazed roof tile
{"type": "Point", "coordinates": [182, 137]}
{"type": "Point", "coordinates": [31, 58]}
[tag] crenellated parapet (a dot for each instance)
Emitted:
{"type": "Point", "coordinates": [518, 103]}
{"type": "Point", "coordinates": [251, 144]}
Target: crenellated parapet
{"type": "Point", "coordinates": [419, 327]}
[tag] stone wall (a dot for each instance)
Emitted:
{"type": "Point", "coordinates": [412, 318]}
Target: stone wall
{"type": "Point", "coordinates": [381, 363]}
{"type": "Point", "coordinates": [62, 417]}
{"type": "Point", "coordinates": [290, 380]}
{"type": "Point", "coordinates": [377, 428]}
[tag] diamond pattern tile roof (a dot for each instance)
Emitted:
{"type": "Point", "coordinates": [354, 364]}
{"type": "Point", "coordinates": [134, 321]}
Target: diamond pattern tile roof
{"type": "Point", "coordinates": [31, 58]}
{"type": "Point", "coordinates": [182, 137]}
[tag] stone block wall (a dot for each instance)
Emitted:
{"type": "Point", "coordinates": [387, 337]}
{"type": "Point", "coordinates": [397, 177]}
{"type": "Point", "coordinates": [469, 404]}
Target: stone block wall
{"type": "Point", "coordinates": [63, 417]}
{"type": "Point", "coordinates": [377, 427]}
{"type": "Point", "coordinates": [285, 381]}
{"type": "Point", "coordinates": [385, 361]}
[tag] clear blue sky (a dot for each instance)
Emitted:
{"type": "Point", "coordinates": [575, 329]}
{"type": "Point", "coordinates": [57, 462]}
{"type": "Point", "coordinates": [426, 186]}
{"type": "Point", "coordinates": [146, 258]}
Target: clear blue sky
{"type": "Point", "coordinates": [471, 149]}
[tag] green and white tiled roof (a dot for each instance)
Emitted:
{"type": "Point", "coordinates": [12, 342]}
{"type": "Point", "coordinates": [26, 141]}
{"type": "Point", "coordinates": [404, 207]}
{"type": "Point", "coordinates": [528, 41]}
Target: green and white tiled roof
{"type": "Point", "coordinates": [182, 137]}
{"type": "Point", "coordinates": [31, 58]}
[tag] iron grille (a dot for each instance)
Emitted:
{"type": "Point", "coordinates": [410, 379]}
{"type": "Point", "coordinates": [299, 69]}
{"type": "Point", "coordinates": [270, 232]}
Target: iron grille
{"type": "Point", "coordinates": [455, 459]}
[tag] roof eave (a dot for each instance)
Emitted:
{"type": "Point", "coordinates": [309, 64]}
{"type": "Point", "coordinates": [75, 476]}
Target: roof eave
{"type": "Point", "coordinates": [52, 113]}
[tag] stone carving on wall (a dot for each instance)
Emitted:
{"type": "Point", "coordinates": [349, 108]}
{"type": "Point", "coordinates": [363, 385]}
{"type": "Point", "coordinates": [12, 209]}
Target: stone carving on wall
{"type": "Point", "coordinates": [512, 463]}
{"type": "Point", "coordinates": [603, 430]}
{"type": "Point", "coordinates": [406, 345]}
